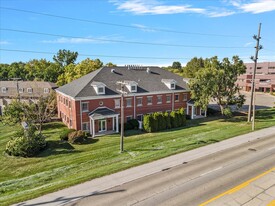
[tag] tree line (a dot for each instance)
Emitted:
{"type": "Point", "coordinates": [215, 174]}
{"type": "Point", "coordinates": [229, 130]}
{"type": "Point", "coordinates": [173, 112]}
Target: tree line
{"type": "Point", "coordinates": [62, 70]}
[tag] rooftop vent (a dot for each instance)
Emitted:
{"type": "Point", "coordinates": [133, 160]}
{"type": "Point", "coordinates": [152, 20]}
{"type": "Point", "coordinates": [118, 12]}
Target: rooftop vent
{"type": "Point", "coordinates": [113, 70]}
{"type": "Point", "coordinates": [148, 70]}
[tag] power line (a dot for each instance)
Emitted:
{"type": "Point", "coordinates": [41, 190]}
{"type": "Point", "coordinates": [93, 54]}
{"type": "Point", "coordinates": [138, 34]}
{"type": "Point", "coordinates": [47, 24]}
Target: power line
{"type": "Point", "coordinates": [118, 25]}
{"type": "Point", "coordinates": [94, 55]}
{"type": "Point", "coordinates": [123, 41]}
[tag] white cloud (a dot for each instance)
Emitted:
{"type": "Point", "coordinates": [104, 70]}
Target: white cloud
{"type": "Point", "coordinates": [143, 27]}
{"type": "Point", "coordinates": [84, 40]}
{"type": "Point", "coordinates": [248, 44]}
{"type": "Point", "coordinates": [154, 7]}
{"type": "Point", "coordinates": [255, 6]}
{"type": "Point", "coordinates": [4, 42]}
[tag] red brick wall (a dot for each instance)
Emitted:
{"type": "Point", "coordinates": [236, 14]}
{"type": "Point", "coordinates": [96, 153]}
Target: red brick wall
{"type": "Point", "coordinates": [74, 113]}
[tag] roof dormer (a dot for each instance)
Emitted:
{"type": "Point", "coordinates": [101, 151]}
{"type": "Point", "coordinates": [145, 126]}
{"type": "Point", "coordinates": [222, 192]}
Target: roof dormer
{"type": "Point", "coordinates": [131, 86]}
{"type": "Point", "coordinates": [99, 87]}
{"type": "Point", "coordinates": [170, 83]}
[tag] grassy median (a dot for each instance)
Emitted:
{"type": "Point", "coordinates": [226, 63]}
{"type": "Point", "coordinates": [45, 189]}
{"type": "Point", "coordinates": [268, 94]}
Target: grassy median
{"type": "Point", "coordinates": [62, 164]}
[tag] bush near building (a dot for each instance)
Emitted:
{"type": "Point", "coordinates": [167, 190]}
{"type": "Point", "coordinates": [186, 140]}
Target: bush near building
{"type": "Point", "coordinates": [159, 121]}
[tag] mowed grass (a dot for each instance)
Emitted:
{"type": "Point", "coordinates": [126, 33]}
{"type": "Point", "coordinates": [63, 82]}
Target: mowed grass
{"type": "Point", "coordinates": [62, 165]}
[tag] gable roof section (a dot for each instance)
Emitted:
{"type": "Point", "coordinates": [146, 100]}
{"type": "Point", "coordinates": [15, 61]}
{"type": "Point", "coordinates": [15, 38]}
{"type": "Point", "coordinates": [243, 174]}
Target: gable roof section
{"type": "Point", "coordinates": [147, 82]}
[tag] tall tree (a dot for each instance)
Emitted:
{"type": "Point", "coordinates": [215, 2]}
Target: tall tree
{"type": "Point", "coordinates": [65, 57]}
{"type": "Point", "coordinates": [192, 67]}
{"type": "Point", "coordinates": [35, 69]}
{"type": "Point", "coordinates": [217, 81]}
{"type": "Point", "coordinates": [110, 64]}
{"type": "Point", "coordinates": [176, 65]}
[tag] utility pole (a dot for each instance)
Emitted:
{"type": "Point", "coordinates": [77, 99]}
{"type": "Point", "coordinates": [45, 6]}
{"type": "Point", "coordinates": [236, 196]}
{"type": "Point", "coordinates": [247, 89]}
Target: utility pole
{"type": "Point", "coordinates": [122, 91]}
{"type": "Point", "coordinates": [252, 100]}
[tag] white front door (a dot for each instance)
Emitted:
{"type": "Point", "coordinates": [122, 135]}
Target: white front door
{"type": "Point", "coordinates": [102, 125]}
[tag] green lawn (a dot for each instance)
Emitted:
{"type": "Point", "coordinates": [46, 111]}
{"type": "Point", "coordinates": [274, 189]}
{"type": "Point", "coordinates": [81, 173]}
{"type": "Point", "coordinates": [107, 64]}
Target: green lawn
{"type": "Point", "coordinates": [63, 165]}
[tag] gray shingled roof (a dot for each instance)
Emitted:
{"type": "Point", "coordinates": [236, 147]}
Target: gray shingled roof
{"type": "Point", "coordinates": [147, 82]}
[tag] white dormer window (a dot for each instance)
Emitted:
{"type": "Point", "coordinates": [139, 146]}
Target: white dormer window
{"type": "Point", "coordinates": [46, 90]}
{"type": "Point", "coordinates": [4, 89]}
{"type": "Point", "coordinates": [29, 90]}
{"type": "Point", "coordinates": [99, 87]}
{"type": "Point", "coordinates": [20, 90]}
{"type": "Point", "coordinates": [170, 83]}
{"type": "Point", "coordinates": [131, 86]}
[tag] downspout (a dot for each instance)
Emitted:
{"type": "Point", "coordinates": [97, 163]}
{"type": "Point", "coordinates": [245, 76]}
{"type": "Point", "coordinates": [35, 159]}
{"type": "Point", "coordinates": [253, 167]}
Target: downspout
{"type": "Point", "coordinates": [173, 101]}
{"type": "Point", "coordinates": [80, 109]}
{"type": "Point", "coordinates": [134, 106]}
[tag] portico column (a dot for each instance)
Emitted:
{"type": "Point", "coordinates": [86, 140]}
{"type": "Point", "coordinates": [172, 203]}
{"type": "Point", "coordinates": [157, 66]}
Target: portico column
{"type": "Point", "coordinates": [192, 113]}
{"type": "Point", "coordinates": [187, 110]}
{"type": "Point", "coordinates": [113, 123]}
{"type": "Point", "coordinates": [93, 125]}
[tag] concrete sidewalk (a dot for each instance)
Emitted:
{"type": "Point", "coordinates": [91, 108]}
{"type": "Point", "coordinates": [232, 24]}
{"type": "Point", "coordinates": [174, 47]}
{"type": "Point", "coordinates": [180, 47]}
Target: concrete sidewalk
{"type": "Point", "coordinates": [97, 185]}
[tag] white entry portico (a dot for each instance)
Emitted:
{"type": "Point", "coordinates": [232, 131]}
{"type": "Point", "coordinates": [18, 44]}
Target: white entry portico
{"type": "Point", "coordinates": [100, 116]}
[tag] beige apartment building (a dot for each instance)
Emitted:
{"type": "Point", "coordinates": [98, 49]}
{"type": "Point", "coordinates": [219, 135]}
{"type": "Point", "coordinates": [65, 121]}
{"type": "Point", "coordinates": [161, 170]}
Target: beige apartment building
{"type": "Point", "coordinates": [264, 78]}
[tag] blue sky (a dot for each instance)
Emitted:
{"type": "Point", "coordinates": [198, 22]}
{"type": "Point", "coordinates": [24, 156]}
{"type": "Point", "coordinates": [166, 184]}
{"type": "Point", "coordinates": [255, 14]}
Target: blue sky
{"type": "Point", "coordinates": [143, 32]}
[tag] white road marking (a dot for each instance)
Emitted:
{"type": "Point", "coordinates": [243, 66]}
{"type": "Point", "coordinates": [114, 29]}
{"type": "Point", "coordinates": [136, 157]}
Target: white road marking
{"type": "Point", "coordinates": [211, 171]}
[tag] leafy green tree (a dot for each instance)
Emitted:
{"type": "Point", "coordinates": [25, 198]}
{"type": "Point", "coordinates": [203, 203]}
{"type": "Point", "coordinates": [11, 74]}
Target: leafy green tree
{"type": "Point", "coordinates": [35, 69]}
{"type": "Point", "coordinates": [4, 71]}
{"type": "Point", "coordinates": [217, 81]}
{"type": "Point", "coordinates": [35, 114]}
{"type": "Point", "coordinates": [176, 65]}
{"type": "Point", "coordinates": [192, 67]}
{"type": "Point", "coordinates": [65, 57]}
{"type": "Point", "coordinates": [17, 70]}
{"type": "Point", "coordinates": [110, 64]}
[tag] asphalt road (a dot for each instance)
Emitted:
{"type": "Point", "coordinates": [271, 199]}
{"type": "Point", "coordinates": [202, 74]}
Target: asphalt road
{"type": "Point", "coordinates": [195, 182]}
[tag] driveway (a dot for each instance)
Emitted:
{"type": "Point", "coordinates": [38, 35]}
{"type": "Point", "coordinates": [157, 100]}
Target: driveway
{"type": "Point", "coordinates": [263, 101]}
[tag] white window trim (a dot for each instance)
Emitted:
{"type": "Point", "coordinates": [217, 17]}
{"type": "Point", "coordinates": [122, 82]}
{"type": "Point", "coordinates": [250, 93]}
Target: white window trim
{"type": "Point", "coordinates": [115, 100]}
{"type": "Point", "coordinates": [29, 90]}
{"type": "Point", "coordinates": [151, 100]}
{"type": "Point", "coordinates": [141, 117]}
{"type": "Point", "coordinates": [184, 97]}
{"type": "Point", "coordinates": [173, 87]}
{"type": "Point", "coordinates": [133, 90]}
{"type": "Point", "coordinates": [139, 105]}
{"type": "Point", "coordinates": [103, 90]}
{"type": "Point", "coordinates": [46, 90]}
{"type": "Point", "coordinates": [87, 106]}
{"type": "Point", "coordinates": [4, 89]}
{"type": "Point", "coordinates": [127, 102]}
{"type": "Point", "coordinates": [178, 97]}
{"type": "Point", "coordinates": [87, 125]}
{"type": "Point", "coordinates": [158, 99]}
{"type": "Point", "coordinates": [130, 117]}
{"type": "Point", "coordinates": [21, 90]}
{"type": "Point", "coordinates": [169, 100]}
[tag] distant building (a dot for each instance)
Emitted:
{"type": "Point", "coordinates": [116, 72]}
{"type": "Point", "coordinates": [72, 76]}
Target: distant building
{"type": "Point", "coordinates": [26, 91]}
{"type": "Point", "coordinates": [93, 102]}
{"type": "Point", "coordinates": [264, 77]}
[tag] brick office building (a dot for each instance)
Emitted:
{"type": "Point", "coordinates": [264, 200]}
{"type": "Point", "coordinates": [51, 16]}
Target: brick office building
{"type": "Point", "coordinates": [264, 77]}
{"type": "Point", "coordinates": [93, 102]}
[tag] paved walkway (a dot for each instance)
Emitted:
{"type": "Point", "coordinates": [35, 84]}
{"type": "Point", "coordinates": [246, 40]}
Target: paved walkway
{"type": "Point", "coordinates": [94, 186]}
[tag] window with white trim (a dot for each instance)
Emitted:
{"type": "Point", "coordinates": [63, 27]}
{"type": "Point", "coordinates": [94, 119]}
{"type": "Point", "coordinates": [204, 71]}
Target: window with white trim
{"type": "Point", "coordinates": [184, 97]}
{"type": "Point", "coordinates": [85, 126]}
{"type": "Point", "coordinates": [117, 103]}
{"type": "Point", "coordinates": [128, 118]}
{"type": "Point", "coordinates": [46, 90]}
{"type": "Point", "coordinates": [177, 97]}
{"type": "Point", "coordinates": [4, 89]}
{"type": "Point", "coordinates": [29, 90]}
{"type": "Point", "coordinates": [149, 100]}
{"type": "Point", "coordinates": [20, 90]}
{"type": "Point", "coordinates": [134, 88]}
{"type": "Point", "coordinates": [140, 117]}
{"type": "Point", "coordinates": [159, 99]}
{"type": "Point", "coordinates": [139, 101]}
{"type": "Point", "coordinates": [129, 102]}
{"type": "Point", "coordinates": [173, 86]}
{"type": "Point", "coordinates": [101, 90]}
{"type": "Point", "coordinates": [84, 106]}
{"type": "Point", "coordinates": [168, 98]}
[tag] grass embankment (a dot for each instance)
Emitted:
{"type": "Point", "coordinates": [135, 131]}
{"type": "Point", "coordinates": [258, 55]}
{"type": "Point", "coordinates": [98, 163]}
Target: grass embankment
{"type": "Point", "coordinates": [62, 165]}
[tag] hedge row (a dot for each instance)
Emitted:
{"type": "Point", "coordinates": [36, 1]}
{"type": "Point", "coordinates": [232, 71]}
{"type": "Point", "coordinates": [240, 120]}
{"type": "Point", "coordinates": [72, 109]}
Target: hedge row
{"type": "Point", "coordinates": [160, 121]}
